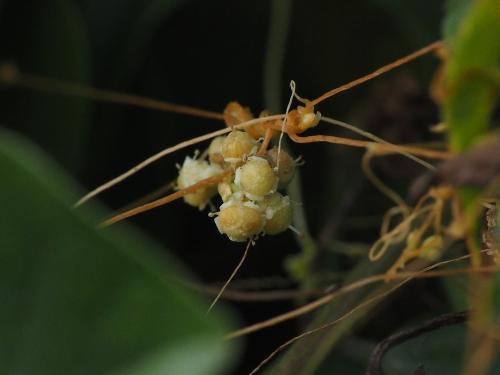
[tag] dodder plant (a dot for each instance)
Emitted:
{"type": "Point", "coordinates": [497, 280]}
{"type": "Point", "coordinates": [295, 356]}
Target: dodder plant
{"type": "Point", "coordinates": [250, 176]}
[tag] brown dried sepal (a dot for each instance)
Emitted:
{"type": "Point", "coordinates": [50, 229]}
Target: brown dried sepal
{"type": "Point", "coordinates": [301, 119]}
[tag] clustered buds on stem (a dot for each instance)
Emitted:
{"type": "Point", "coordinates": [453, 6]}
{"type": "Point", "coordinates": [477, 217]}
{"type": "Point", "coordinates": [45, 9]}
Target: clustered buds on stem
{"type": "Point", "coordinates": [193, 171]}
{"type": "Point", "coordinates": [256, 178]}
{"type": "Point", "coordinates": [303, 118]}
{"type": "Point", "coordinates": [251, 203]}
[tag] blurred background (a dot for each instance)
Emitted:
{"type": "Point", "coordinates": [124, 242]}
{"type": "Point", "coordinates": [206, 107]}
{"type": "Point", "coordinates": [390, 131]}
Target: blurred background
{"type": "Point", "coordinates": [205, 54]}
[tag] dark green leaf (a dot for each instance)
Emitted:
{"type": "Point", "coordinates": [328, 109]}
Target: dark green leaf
{"type": "Point", "coordinates": [455, 13]}
{"type": "Point", "coordinates": [78, 300]}
{"type": "Point", "coordinates": [474, 48]}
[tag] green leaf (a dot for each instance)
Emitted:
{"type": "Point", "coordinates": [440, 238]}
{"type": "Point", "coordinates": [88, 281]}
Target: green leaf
{"type": "Point", "coordinates": [78, 300]}
{"type": "Point", "coordinates": [456, 292]}
{"type": "Point", "coordinates": [474, 48]}
{"type": "Point", "coordinates": [456, 11]}
{"type": "Point", "coordinates": [472, 94]}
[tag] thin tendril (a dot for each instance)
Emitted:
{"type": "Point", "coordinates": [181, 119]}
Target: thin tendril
{"type": "Point", "coordinates": [166, 199]}
{"type": "Point", "coordinates": [231, 277]}
{"type": "Point", "coordinates": [388, 192]}
{"type": "Point", "coordinates": [168, 151]}
{"type": "Point", "coordinates": [283, 123]}
{"type": "Point", "coordinates": [358, 307]}
{"type": "Point", "coordinates": [384, 69]}
{"type": "Point", "coordinates": [373, 137]}
{"type": "Point", "coordinates": [302, 310]}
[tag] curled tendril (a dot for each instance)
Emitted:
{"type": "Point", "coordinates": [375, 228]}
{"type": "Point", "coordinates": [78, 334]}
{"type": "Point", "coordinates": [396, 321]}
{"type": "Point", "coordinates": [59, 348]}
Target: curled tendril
{"type": "Point", "coordinates": [426, 215]}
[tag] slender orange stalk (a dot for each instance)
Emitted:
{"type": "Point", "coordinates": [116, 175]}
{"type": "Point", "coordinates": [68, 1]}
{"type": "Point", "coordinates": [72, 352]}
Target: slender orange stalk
{"type": "Point", "coordinates": [386, 148]}
{"type": "Point", "coordinates": [384, 69]}
{"type": "Point", "coordinates": [167, 199]}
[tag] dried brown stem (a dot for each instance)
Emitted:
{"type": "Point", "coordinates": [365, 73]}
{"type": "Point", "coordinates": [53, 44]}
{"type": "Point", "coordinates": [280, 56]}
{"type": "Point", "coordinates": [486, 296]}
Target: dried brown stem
{"type": "Point", "coordinates": [38, 83]}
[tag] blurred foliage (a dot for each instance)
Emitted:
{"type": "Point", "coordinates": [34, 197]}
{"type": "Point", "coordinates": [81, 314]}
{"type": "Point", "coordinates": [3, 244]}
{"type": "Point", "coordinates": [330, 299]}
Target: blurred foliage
{"type": "Point", "coordinates": [474, 57]}
{"type": "Point", "coordinates": [474, 50]}
{"type": "Point", "coordinates": [80, 300]}
{"type": "Point", "coordinates": [77, 300]}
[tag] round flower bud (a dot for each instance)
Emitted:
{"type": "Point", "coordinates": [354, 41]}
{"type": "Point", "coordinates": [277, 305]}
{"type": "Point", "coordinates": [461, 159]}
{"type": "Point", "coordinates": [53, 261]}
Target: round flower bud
{"type": "Point", "coordinates": [235, 114]}
{"type": "Point", "coordinates": [256, 178]}
{"type": "Point", "coordinates": [239, 220]}
{"type": "Point", "coordinates": [215, 151]}
{"type": "Point", "coordinates": [285, 169]}
{"type": "Point", "coordinates": [303, 118]}
{"type": "Point", "coordinates": [227, 190]}
{"type": "Point", "coordinates": [237, 145]}
{"type": "Point", "coordinates": [278, 213]}
{"type": "Point", "coordinates": [193, 171]}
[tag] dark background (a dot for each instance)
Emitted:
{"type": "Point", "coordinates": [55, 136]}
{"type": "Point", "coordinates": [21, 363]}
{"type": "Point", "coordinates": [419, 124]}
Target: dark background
{"type": "Point", "coordinates": [205, 54]}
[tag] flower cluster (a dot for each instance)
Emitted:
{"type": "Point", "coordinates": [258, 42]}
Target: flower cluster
{"type": "Point", "coordinates": [251, 204]}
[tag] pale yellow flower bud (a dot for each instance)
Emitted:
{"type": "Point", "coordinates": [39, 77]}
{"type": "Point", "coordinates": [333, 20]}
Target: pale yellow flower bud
{"type": "Point", "coordinates": [286, 168]}
{"type": "Point", "coordinates": [278, 212]}
{"type": "Point", "coordinates": [239, 220]}
{"type": "Point", "coordinates": [215, 151]}
{"type": "Point", "coordinates": [226, 190]}
{"type": "Point", "coordinates": [193, 171]}
{"type": "Point", "coordinates": [237, 146]}
{"type": "Point", "coordinates": [256, 178]}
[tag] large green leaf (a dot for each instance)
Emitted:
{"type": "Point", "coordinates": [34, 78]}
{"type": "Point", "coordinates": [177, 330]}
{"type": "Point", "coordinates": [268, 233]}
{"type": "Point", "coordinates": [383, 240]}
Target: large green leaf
{"type": "Point", "coordinates": [79, 300]}
{"type": "Point", "coordinates": [474, 50]}
{"type": "Point", "coordinates": [455, 11]}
